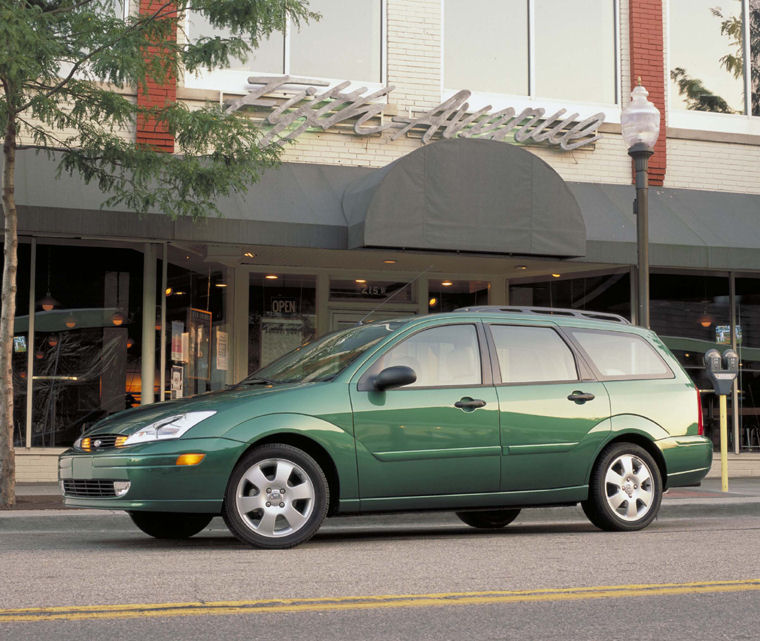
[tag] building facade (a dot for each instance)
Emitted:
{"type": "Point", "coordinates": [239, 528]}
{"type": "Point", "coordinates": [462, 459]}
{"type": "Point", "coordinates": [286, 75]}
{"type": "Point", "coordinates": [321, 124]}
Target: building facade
{"type": "Point", "coordinates": [441, 153]}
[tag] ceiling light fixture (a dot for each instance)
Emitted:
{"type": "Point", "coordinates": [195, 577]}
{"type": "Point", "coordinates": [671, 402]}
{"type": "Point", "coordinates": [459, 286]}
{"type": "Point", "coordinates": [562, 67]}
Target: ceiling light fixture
{"type": "Point", "coordinates": [271, 276]}
{"type": "Point", "coordinates": [446, 283]}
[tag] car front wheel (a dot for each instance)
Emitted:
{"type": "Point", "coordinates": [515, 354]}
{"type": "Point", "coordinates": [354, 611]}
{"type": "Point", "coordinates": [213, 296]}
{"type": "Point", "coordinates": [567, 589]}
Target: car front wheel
{"type": "Point", "coordinates": [170, 525]}
{"type": "Point", "coordinates": [625, 489]}
{"type": "Point", "coordinates": [277, 497]}
{"type": "Point", "coordinates": [488, 519]}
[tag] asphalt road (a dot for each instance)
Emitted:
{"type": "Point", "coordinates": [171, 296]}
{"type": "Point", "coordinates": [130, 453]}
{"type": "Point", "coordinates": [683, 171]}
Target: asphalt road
{"type": "Point", "coordinates": [694, 574]}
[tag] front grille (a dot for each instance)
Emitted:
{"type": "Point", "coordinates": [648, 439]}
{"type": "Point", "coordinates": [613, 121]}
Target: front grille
{"type": "Point", "coordinates": [102, 442]}
{"type": "Point", "coordinates": [88, 487]}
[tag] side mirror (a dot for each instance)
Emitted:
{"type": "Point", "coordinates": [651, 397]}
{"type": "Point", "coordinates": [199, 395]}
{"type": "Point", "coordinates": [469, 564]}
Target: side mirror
{"type": "Point", "coordinates": [396, 376]}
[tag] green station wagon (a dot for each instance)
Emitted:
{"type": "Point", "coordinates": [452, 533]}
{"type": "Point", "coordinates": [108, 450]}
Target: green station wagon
{"type": "Point", "coordinates": [483, 411]}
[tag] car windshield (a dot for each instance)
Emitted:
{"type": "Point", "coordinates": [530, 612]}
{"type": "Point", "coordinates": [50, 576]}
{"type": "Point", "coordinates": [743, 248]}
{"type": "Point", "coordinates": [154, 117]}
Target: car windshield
{"type": "Point", "coordinates": [325, 358]}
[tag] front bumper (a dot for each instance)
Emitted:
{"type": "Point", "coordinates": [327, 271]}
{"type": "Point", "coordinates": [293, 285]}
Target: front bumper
{"type": "Point", "coordinates": [687, 459]}
{"type": "Point", "coordinates": [157, 483]}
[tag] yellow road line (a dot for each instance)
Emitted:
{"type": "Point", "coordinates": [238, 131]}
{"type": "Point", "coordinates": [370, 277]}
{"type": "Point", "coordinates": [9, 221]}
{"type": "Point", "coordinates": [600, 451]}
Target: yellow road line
{"type": "Point", "coordinates": [372, 602]}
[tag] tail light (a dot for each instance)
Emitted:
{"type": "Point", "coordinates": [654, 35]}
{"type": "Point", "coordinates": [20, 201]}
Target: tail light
{"type": "Point", "coordinates": [700, 420]}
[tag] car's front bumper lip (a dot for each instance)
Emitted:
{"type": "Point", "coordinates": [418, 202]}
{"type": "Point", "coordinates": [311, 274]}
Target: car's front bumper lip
{"type": "Point", "coordinates": [156, 481]}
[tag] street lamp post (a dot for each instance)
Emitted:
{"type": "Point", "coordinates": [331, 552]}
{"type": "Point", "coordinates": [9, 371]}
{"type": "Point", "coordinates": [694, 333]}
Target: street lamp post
{"type": "Point", "coordinates": [641, 127]}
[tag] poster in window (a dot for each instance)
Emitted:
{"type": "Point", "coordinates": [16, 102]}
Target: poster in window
{"type": "Point", "coordinates": [221, 350]}
{"type": "Point", "coordinates": [177, 381]}
{"type": "Point", "coordinates": [279, 336]}
{"type": "Point", "coordinates": [199, 329]}
{"type": "Point", "coordinates": [178, 353]}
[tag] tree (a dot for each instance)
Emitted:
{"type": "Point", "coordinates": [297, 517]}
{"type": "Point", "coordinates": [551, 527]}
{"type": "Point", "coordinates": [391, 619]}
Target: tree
{"type": "Point", "coordinates": [67, 68]}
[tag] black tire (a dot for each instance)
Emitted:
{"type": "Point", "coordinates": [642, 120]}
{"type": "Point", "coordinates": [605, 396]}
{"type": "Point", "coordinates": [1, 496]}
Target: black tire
{"type": "Point", "coordinates": [170, 525]}
{"type": "Point", "coordinates": [625, 490]}
{"type": "Point", "coordinates": [276, 498]}
{"type": "Point", "coordinates": [489, 519]}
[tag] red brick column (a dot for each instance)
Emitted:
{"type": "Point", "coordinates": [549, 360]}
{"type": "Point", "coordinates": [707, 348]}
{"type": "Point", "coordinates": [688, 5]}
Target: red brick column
{"type": "Point", "coordinates": [647, 62]}
{"type": "Point", "coordinates": [150, 131]}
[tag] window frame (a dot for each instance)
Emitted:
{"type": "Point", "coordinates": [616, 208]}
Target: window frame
{"type": "Point", "coordinates": [236, 81]}
{"type": "Point", "coordinates": [668, 374]}
{"type": "Point", "coordinates": [486, 362]}
{"type": "Point", "coordinates": [481, 99]}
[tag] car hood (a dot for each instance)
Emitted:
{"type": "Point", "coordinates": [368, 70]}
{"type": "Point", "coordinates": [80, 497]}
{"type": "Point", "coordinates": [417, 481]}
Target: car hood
{"type": "Point", "coordinates": [131, 420]}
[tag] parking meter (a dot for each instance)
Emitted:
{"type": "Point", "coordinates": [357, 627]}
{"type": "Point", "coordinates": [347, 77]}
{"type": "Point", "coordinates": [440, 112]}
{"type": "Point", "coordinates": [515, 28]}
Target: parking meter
{"type": "Point", "coordinates": [722, 372]}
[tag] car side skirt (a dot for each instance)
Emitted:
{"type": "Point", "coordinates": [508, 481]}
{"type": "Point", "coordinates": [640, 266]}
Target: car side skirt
{"type": "Point", "coordinates": [534, 498]}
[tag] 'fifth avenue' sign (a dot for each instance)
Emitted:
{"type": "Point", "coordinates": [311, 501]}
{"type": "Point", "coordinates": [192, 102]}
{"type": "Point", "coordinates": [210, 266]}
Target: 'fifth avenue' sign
{"type": "Point", "coordinates": [306, 109]}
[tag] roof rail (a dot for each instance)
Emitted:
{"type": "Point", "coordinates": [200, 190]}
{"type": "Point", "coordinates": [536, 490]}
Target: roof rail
{"type": "Point", "coordinates": [548, 311]}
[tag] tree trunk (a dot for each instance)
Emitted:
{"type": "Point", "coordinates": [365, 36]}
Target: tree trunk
{"type": "Point", "coordinates": [10, 266]}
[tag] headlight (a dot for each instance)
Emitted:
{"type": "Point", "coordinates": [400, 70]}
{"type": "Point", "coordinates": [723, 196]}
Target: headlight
{"type": "Point", "coordinates": [166, 428]}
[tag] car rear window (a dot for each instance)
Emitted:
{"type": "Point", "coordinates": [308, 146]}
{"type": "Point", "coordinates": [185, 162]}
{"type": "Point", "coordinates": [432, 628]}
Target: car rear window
{"type": "Point", "coordinates": [622, 355]}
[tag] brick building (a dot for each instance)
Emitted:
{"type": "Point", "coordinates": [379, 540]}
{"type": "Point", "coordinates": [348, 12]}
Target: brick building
{"type": "Point", "coordinates": [477, 159]}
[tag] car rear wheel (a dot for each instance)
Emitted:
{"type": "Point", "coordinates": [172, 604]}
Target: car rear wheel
{"type": "Point", "coordinates": [170, 525]}
{"type": "Point", "coordinates": [625, 489]}
{"type": "Point", "coordinates": [488, 519]}
{"type": "Point", "coordinates": [277, 497]}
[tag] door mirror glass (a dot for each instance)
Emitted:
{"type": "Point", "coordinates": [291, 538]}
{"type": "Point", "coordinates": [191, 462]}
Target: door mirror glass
{"type": "Point", "coordinates": [396, 376]}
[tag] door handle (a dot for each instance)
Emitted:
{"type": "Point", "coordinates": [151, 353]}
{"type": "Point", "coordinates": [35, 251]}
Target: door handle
{"type": "Point", "coordinates": [580, 397]}
{"type": "Point", "coordinates": [469, 404]}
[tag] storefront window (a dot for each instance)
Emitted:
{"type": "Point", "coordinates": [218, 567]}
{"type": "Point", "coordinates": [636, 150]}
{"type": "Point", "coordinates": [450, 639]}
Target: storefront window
{"type": "Point", "coordinates": [20, 344]}
{"type": "Point", "coordinates": [197, 337]}
{"type": "Point", "coordinates": [446, 295]}
{"type": "Point", "coordinates": [609, 293]}
{"type": "Point", "coordinates": [487, 48]}
{"type": "Point", "coordinates": [88, 303]}
{"type": "Point", "coordinates": [281, 316]}
{"type": "Point", "coordinates": [691, 314]}
{"type": "Point", "coordinates": [707, 58]}
{"type": "Point", "coordinates": [748, 347]}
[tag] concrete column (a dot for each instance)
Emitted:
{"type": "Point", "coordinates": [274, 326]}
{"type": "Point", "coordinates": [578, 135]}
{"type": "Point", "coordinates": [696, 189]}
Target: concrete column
{"type": "Point", "coordinates": [323, 304]}
{"type": "Point", "coordinates": [148, 373]}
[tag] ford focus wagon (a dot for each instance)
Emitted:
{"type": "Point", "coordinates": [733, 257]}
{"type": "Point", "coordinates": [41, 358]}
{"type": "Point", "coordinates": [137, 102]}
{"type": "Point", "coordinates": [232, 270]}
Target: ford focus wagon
{"type": "Point", "coordinates": [483, 411]}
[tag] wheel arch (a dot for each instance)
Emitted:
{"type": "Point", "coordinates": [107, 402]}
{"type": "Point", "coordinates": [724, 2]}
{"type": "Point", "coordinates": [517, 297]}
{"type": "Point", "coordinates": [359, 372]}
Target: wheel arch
{"type": "Point", "coordinates": [313, 449]}
{"type": "Point", "coordinates": [642, 441]}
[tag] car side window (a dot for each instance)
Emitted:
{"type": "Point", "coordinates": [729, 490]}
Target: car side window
{"type": "Point", "coordinates": [532, 355]}
{"type": "Point", "coordinates": [622, 355]}
{"type": "Point", "coordinates": [440, 356]}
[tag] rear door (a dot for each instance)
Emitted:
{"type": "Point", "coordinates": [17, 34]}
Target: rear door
{"type": "Point", "coordinates": [553, 413]}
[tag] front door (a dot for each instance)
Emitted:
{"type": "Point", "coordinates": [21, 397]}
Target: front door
{"type": "Point", "coordinates": [439, 435]}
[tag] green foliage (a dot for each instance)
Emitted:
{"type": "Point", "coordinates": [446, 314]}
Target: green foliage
{"type": "Point", "coordinates": [68, 74]}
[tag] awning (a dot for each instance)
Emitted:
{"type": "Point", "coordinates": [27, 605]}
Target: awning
{"type": "Point", "coordinates": [466, 195]}
{"type": "Point", "coordinates": [687, 228]}
{"type": "Point", "coordinates": [482, 196]}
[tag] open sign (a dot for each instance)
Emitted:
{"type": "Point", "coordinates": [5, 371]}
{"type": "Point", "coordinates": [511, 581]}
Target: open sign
{"type": "Point", "coordinates": [284, 305]}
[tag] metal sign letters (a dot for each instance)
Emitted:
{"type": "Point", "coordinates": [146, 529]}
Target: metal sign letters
{"type": "Point", "coordinates": [305, 109]}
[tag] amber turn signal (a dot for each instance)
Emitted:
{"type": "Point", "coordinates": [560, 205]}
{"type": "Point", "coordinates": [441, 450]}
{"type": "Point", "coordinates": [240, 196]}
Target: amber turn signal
{"type": "Point", "coordinates": [190, 459]}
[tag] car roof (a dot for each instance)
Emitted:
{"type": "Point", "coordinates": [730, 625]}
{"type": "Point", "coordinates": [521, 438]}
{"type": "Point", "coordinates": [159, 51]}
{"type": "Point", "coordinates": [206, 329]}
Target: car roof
{"type": "Point", "coordinates": [529, 315]}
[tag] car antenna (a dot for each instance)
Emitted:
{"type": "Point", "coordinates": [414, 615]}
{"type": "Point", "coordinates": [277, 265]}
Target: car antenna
{"type": "Point", "coordinates": [400, 289]}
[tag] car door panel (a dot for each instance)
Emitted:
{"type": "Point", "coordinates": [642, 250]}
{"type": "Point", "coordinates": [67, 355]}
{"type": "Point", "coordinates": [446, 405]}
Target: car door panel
{"type": "Point", "coordinates": [415, 440]}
